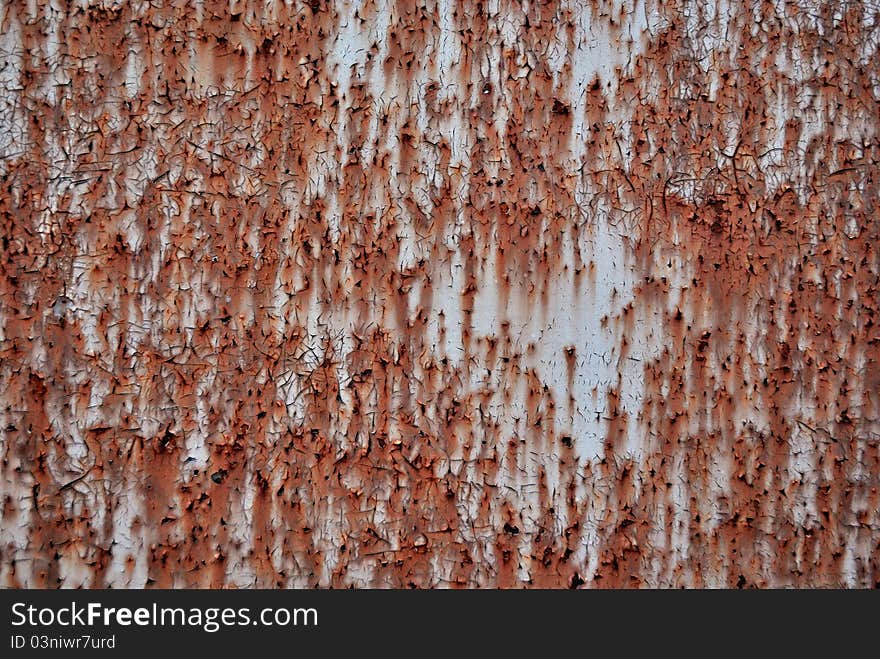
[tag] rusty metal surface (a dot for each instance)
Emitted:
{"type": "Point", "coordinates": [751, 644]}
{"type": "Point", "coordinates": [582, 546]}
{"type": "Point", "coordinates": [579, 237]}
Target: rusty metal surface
{"type": "Point", "coordinates": [439, 294]}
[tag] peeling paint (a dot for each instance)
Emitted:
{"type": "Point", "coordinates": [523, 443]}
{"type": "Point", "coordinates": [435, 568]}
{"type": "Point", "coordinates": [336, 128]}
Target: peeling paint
{"type": "Point", "coordinates": [439, 294]}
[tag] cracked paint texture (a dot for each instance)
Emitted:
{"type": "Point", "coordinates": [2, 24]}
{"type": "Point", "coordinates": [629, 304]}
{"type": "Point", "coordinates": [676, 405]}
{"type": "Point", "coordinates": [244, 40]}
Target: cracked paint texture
{"type": "Point", "coordinates": [439, 293]}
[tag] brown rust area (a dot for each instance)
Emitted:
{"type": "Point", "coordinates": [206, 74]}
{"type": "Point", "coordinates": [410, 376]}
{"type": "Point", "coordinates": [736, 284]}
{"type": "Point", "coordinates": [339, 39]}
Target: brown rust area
{"type": "Point", "coordinates": [300, 296]}
{"type": "Point", "coordinates": [751, 402]}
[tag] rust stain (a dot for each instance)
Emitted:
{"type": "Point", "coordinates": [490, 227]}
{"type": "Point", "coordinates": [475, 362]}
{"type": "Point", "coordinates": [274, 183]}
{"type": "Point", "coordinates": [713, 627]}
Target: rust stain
{"type": "Point", "coordinates": [439, 294]}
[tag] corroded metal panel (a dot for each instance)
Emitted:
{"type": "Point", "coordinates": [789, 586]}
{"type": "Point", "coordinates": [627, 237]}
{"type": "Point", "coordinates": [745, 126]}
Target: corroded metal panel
{"type": "Point", "coordinates": [438, 294]}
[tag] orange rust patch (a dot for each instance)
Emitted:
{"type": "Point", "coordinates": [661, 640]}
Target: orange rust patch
{"type": "Point", "coordinates": [300, 296]}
